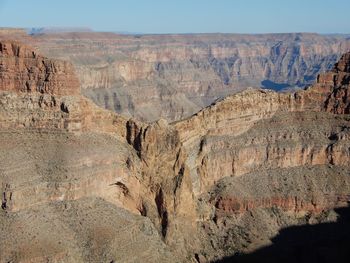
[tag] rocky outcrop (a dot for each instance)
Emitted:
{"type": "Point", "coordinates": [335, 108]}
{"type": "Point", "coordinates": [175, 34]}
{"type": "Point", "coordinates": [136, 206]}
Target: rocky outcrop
{"type": "Point", "coordinates": [62, 158]}
{"type": "Point", "coordinates": [337, 81]}
{"type": "Point", "coordinates": [173, 76]}
{"type": "Point", "coordinates": [264, 149]}
{"type": "Point", "coordinates": [23, 70]}
{"type": "Point", "coordinates": [37, 92]}
{"type": "Point", "coordinates": [84, 184]}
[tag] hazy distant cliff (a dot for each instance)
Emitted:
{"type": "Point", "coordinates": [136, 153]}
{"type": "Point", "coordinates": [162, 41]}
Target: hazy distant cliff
{"type": "Point", "coordinates": [173, 76]}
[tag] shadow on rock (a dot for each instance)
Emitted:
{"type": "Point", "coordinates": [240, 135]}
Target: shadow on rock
{"type": "Point", "coordinates": [326, 242]}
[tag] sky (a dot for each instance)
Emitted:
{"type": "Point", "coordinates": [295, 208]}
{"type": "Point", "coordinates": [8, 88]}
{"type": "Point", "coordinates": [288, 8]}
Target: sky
{"type": "Point", "coordinates": [181, 16]}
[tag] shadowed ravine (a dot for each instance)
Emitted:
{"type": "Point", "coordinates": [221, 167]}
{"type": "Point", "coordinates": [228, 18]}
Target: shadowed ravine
{"type": "Point", "coordinates": [324, 243]}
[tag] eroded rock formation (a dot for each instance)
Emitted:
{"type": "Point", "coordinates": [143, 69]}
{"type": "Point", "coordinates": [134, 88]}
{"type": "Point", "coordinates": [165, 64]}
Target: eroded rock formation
{"type": "Point", "coordinates": [173, 76]}
{"type": "Point", "coordinates": [66, 171]}
{"type": "Point", "coordinates": [23, 70]}
{"type": "Point", "coordinates": [83, 184]}
{"type": "Point", "coordinates": [255, 162]}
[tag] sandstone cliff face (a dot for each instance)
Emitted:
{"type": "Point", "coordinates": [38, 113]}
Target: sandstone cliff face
{"type": "Point", "coordinates": [34, 93]}
{"type": "Point", "coordinates": [174, 76]}
{"type": "Point", "coordinates": [62, 158]}
{"type": "Point", "coordinates": [252, 159]}
{"type": "Point", "coordinates": [80, 183]}
{"type": "Point", "coordinates": [23, 70]}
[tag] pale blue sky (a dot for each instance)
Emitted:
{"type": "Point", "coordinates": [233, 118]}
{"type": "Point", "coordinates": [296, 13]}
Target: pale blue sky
{"type": "Point", "coordinates": [181, 16]}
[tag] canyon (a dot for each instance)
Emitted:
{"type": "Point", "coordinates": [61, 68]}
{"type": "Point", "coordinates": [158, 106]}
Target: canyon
{"type": "Point", "coordinates": [174, 76]}
{"type": "Point", "coordinates": [81, 183]}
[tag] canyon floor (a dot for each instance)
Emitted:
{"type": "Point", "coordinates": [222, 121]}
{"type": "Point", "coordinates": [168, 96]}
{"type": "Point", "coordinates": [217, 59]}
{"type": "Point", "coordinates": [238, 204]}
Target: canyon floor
{"type": "Point", "coordinates": [244, 179]}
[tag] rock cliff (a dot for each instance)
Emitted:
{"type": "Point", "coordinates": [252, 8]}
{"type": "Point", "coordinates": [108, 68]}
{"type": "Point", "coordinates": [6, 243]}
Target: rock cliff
{"type": "Point", "coordinates": [83, 184]}
{"type": "Point", "coordinates": [173, 76]}
{"type": "Point", "coordinates": [23, 70]}
{"type": "Point", "coordinates": [65, 171]}
{"type": "Point", "coordinates": [255, 162]}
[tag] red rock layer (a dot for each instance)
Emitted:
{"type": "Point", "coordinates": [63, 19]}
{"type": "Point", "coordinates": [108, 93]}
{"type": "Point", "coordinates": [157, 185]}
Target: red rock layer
{"type": "Point", "coordinates": [23, 70]}
{"type": "Point", "coordinates": [339, 99]}
{"type": "Point", "coordinates": [290, 203]}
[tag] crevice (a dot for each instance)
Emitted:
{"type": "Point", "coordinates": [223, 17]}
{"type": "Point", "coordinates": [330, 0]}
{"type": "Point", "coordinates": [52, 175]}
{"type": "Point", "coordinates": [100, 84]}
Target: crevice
{"type": "Point", "coordinates": [162, 212]}
{"type": "Point", "coordinates": [134, 136]}
{"type": "Point", "coordinates": [178, 179]}
{"type": "Point", "coordinates": [64, 108]}
{"type": "Point", "coordinates": [143, 209]}
{"type": "Point", "coordinates": [4, 201]}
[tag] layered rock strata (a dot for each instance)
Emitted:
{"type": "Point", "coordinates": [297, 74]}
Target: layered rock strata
{"type": "Point", "coordinates": [249, 160]}
{"type": "Point", "coordinates": [173, 76]}
{"type": "Point", "coordinates": [223, 181]}
{"type": "Point", "coordinates": [66, 171]}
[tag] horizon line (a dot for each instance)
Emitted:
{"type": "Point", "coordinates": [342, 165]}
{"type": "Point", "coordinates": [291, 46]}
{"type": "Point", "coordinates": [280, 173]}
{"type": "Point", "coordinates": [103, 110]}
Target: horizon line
{"type": "Point", "coordinates": [86, 29]}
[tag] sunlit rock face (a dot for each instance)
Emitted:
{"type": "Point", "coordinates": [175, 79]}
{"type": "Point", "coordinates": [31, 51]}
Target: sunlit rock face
{"type": "Point", "coordinates": [80, 183]}
{"type": "Point", "coordinates": [173, 76]}
{"type": "Point", "coordinates": [255, 162]}
{"type": "Point", "coordinates": [70, 182]}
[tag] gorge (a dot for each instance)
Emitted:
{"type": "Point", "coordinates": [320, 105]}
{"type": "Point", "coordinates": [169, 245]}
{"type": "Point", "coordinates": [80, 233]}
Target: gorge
{"type": "Point", "coordinates": [174, 76]}
{"type": "Point", "coordinates": [81, 183]}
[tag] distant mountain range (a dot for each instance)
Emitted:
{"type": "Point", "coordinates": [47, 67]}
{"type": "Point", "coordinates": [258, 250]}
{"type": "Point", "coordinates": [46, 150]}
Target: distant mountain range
{"type": "Point", "coordinates": [53, 30]}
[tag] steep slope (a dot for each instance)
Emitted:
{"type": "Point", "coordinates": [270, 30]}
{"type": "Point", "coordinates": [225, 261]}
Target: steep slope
{"type": "Point", "coordinates": [65, 171]}
{"type": "Point", "coordinates": [254, 163]}
{"type": "Point", "coordinates": [173, 76]}
{"type": "Point", "coordinates": [82, 184]}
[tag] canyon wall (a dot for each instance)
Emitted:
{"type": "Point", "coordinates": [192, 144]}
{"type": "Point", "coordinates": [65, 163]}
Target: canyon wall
{"type": "Point", "coordinates": [255, 162]}
{"type": "Point", "coordinates": [65, 170]}
{"type": "Point", "coordinates": [174, 76]}
{"type": "Point", "coordinates": [83, 184]}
